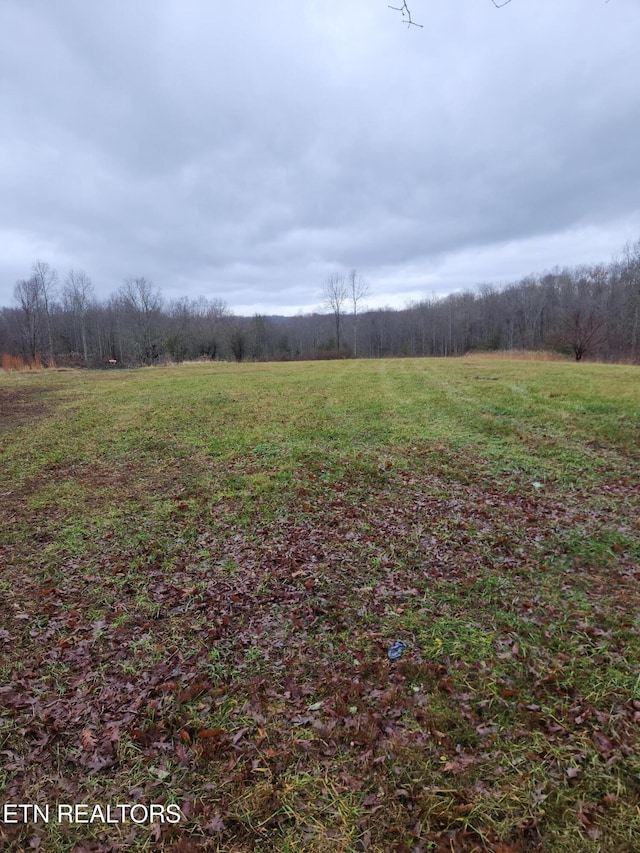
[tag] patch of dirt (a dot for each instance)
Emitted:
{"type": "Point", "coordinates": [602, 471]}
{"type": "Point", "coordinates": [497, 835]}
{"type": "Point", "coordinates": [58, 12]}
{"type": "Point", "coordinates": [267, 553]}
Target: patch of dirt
{"type": "Point", "coordinates": [20, 406]}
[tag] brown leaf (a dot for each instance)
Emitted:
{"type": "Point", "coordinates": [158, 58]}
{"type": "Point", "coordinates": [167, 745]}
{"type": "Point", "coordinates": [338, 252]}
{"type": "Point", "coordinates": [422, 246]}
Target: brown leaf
{"type": "Point", "coordinates": [603, 744]}
{"type": "Point", "coordinates": [211, 733]}
{"type": "Point", "coordinates": [216, 824]}
{"type": "Point", "coordinates": [364, 842]}
{"type": "Point", "coordinates": [182, 755]}
{"type": "Point", "coordinates": [88, 740]}
{"type": "Point", "coordinates": [485, 730]}
{"type": "Point", "coordinates": [459, 763]}
{"type": "Point", "coordinates": [98, 763]}
{"type": "Point", "coordinates": [192, 692]}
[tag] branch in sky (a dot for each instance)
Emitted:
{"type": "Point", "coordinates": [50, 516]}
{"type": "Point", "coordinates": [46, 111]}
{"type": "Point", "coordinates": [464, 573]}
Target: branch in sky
{"type": "Point", "coordinates": [406, 12]}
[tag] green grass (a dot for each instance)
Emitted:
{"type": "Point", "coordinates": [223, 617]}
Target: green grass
{"type": "Point", "coordinates": [204, 566]}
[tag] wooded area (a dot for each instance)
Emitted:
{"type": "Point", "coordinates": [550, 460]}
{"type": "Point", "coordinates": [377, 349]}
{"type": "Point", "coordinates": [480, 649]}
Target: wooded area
{"type": "Point", "coordinates": [591, 312]}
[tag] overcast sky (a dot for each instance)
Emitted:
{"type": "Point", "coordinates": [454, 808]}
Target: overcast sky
{"type": "Point", "coordinates": [246, 151]}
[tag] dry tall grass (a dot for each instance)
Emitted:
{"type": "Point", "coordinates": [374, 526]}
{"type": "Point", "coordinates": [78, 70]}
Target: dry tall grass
{"type": "Point", "coordinates": [16, 362]}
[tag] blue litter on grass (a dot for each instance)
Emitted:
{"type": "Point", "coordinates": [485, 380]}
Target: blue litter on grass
{"type": "Point", "coordinates": [396, 650]}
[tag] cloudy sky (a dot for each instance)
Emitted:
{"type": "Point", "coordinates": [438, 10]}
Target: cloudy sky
{"type": "Point", "coordinates": [246, 151]}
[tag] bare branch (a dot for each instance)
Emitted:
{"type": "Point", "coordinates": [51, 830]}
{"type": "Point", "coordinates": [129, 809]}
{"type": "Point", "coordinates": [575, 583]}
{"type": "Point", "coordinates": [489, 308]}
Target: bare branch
{"type": "Point", "coordinates": [406, 14]}
{"type": "Point", "coordinates": [406, 11]}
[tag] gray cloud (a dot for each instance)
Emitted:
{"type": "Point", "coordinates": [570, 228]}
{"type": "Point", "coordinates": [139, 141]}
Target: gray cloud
{"type": "Point", "coordinates": [245, 153]}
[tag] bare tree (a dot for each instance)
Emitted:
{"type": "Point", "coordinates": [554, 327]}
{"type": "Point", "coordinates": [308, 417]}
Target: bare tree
{"type": "Point", "coordinates": [46, 279]}
{"type": "Point", "coordinates": [180, 319]}
{"type": "Point", "coordinates": [582, 326]}
{"type": "Point", "coordinates": [358, 289]}
{"type": "Point", "coordinates": [583, 331]}
{"type": "Point", "coordinates": [77, 293]}
{"type": "Point", "coordinates": [237, 342]}
{"type": "Point", "coordinates": [335, 293]}
{"type": "Point", "coordinates": [144, 302]}
{"type": "Point", "coordinates": [212, 316]}
{"type": "Point", "coordinates": [27, 293]}
{"type": "Point", "coordinates": [629, 270]}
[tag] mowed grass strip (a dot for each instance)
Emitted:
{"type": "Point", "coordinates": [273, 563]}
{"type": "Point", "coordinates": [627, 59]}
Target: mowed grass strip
{"type": "Point", "coordinates": [203, 567]}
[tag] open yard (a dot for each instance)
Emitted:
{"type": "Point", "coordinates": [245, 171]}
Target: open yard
{"type": "Point", "coordinates": [203, 567]}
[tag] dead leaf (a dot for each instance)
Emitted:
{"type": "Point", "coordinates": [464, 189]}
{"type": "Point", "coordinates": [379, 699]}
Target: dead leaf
{"type": "Point", "coordinates": [216, 824]}
{"type": "Point", "coordinates": [459, 763]}
{"type": "Point", "coordinates": [88, 740]}
{"type": "Point", "coordinates": [603, 744]}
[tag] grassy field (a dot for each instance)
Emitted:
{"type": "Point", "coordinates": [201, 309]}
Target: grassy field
{"type": "Point", "coordinates": [203, 567]}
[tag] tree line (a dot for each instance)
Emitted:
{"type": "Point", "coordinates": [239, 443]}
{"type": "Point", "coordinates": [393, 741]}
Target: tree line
{"type": "Point", "coordinates": [588, 311]}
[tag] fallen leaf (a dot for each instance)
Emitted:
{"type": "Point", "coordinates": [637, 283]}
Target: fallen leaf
{"type": "Point", "coordinates": [459, 763]}
{"type": "Point", "coordinates": [88, 740]}
{"type": "Point", "coordinates": [216, 824]}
